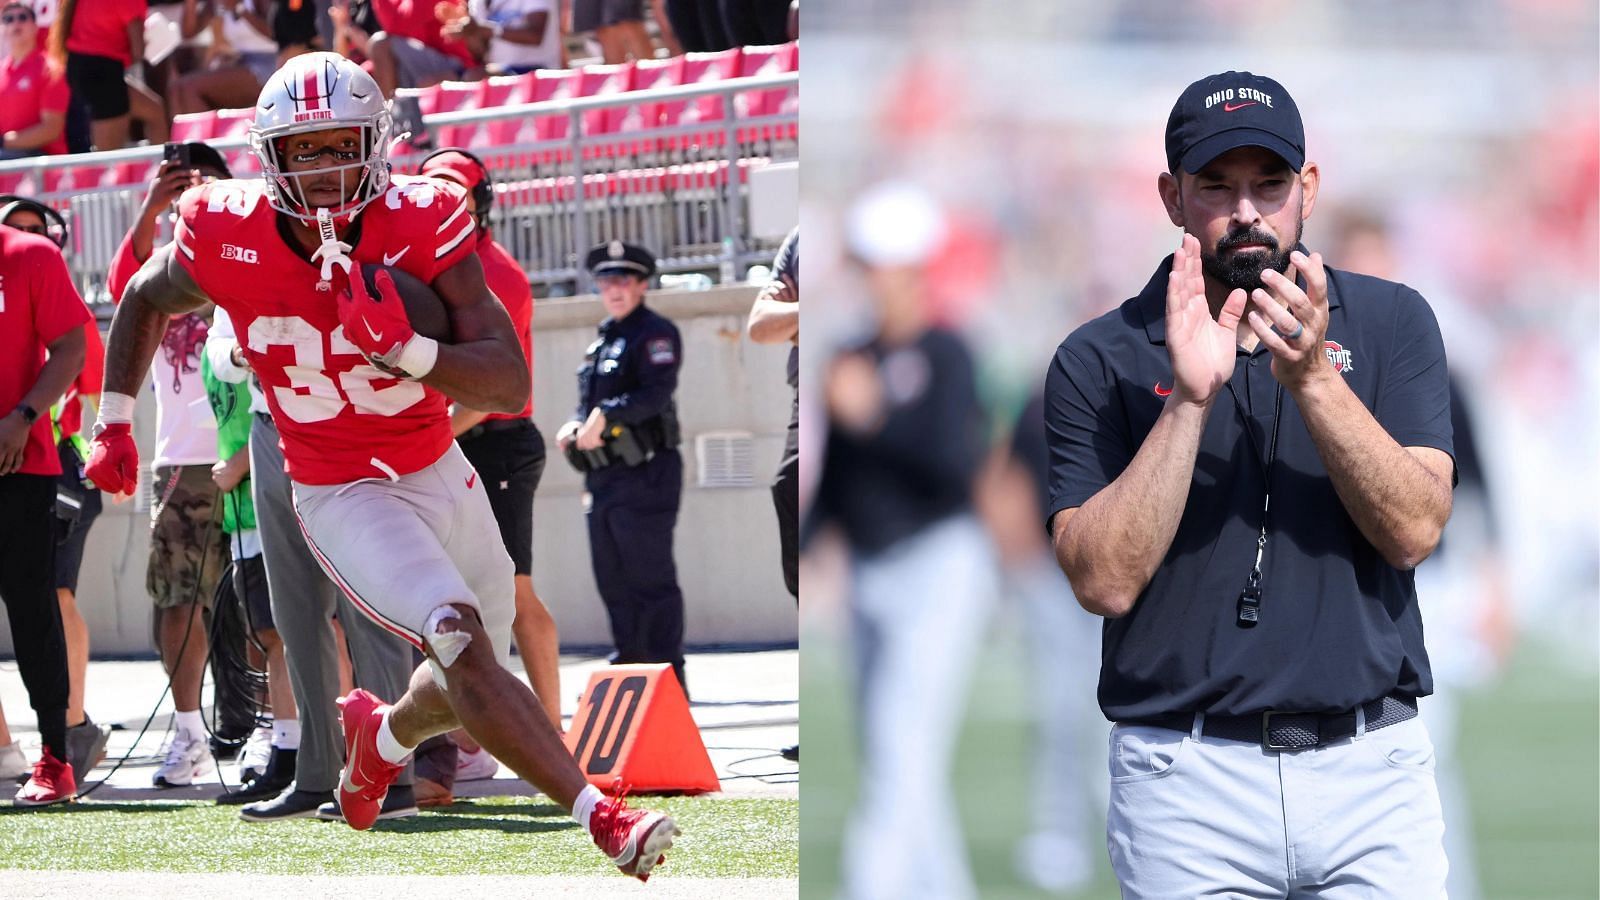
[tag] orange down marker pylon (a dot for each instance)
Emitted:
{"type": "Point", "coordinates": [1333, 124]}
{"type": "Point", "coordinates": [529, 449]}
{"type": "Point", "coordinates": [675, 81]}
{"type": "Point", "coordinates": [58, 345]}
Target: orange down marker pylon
{"type": "Point", "coordinates": [633, 723]}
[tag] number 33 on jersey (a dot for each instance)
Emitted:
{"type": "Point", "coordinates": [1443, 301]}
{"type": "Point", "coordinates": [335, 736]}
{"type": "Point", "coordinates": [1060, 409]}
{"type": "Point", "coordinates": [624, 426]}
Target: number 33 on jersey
{"type": "Point", "coordinates": [341, 419]}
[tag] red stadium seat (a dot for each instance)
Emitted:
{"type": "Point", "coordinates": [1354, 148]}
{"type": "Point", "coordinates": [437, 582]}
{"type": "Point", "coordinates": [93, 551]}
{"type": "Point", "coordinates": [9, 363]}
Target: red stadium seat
{"type": "Point", "coordinates": [452, 96]}
{"type": "Point", "coordinates": [193, 126]}
{"type": "Point", "coordinates": [233, 123]}
{"type": "Point", "coordinates": [553, 84]}
{"type": "Point", "coordinates": [700, 68]}
{"type": "Point", "coordinates": [773, 60]}
{"type": "Point", "coordinates": [602, 81]}
{"type": "Point", "coordinates": [505, 90]}
{"type": "Point", "coordinates": [648, 74]}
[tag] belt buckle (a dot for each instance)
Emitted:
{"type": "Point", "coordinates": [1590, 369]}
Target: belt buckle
{"type": "Point", "coordinates": [1266, 731]}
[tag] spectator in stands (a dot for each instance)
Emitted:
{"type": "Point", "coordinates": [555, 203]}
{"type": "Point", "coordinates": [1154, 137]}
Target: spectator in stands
{"type": "Point", "coordinates": [353, 23]}
{"type": "Point", "coordinates": [98, 41]}
{"type": "Point", "coordinates": [618, 26]}
{"type": "Point", "coordinates": [698, 25]}
{"type": "Point", "coordinates": [238, 66]}
{"type": "Point", "coordinates": [509, 37]}
{"type": "Point", "coordinates": [41, 352]}
{"type": "Point", "coordinates": [188, 548]}
{"type": "Point", "coordinates": [749, 22]}
{"type": "Point", "coordinates": [33, 91]}
{"type": "Point", "coordinates": [294, 26]}
{"type": "Point", "coordinates": [411, 49]}
{"type": "Point", "coordinates": [77, 501]}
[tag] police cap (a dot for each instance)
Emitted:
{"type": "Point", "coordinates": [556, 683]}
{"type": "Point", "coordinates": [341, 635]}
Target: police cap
{"type": "Point", "coordinates": [620, 258]}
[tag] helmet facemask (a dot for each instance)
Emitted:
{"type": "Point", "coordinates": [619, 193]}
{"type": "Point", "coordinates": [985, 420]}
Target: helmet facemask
{"type": "Point", "coordinates": [319, 92]}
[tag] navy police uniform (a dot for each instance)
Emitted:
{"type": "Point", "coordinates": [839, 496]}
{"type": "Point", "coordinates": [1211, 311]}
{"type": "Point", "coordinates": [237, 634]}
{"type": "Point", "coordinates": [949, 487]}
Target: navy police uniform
{"type": "Point", "coordinates": [630, 373]}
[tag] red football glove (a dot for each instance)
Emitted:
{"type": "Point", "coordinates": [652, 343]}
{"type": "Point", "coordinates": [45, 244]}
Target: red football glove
{"type": "Point", "coordinates": [114, 460]}
{"type": "Point", "coordinates": [376, 325]}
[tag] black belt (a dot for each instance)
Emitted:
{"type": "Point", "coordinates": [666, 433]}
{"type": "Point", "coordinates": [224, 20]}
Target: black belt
{"type": "Point", "coordinates": [1282, 730]}
{"type": "Point", "coordinates": [489, 425]}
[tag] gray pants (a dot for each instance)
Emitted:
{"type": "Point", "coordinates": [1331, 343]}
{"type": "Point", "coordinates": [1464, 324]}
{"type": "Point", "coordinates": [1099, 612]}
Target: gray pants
{"type": "Point", "coordinates": [303, 600]}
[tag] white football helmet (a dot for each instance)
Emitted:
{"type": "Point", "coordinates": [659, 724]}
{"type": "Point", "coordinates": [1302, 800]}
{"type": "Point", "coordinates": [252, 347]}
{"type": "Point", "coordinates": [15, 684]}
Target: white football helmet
{"type": "Point", "coordinates": [315, 92]}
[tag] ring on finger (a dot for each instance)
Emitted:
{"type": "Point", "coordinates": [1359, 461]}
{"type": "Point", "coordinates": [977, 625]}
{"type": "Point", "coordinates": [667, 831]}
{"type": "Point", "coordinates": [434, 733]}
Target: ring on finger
{"type": "Point", "coordinates": [1299, 329]}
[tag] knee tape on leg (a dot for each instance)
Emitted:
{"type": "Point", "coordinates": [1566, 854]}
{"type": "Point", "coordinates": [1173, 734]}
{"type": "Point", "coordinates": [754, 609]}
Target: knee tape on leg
{"type": "Point", "coordinates": [447, 645]}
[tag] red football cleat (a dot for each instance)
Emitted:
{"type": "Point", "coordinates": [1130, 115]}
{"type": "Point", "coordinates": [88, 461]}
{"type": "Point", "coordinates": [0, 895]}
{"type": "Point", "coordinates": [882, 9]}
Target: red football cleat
{"type": "Point", "coordinates": [635, 839]}
{"type": "Point", "coordinates": [367, 775]}
{"type": "Point", "coordinates": [51, 782]}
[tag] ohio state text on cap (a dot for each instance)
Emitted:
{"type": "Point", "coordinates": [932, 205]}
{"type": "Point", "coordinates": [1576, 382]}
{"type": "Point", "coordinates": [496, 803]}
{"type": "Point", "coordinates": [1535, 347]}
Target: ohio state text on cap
{"type": "Point", "coordinates": [1234, 109]}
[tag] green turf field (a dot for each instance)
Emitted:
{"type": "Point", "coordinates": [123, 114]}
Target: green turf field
{"type": "Point", "coordinates": [723, 838]}
{"type": "Point", "coordinates": [1528, 745]}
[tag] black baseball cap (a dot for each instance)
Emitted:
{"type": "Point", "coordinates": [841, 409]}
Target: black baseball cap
{"type": "Point", "coordinates": [1234, 109]}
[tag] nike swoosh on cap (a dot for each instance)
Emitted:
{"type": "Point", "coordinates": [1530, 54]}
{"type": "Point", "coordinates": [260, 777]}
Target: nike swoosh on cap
{"type": "Point", "coordinates": [1231, 107]}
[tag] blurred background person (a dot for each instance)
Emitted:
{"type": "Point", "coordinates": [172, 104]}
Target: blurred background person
{"type": "Point", "coordinates": [1461, 586]}
{"type": "Point", "coordinates": [33, 90]}
{"type": "Point", "coordinates": [906, 440]}
{"type": "Point", "coordinates": [1063, 646]}
{"type": "Point", "coordinates": [99, 41]}
{"type": "Point", "coordinates": [509, 37]}
{"type": "Point", "coordinates": [239, 63]}
{"type": "Point", "coordinates": [617, 26]}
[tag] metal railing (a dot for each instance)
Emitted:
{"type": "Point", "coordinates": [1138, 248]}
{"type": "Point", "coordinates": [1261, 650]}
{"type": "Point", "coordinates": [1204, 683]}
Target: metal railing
{"type": "Point", "coordinates": [681, 190]}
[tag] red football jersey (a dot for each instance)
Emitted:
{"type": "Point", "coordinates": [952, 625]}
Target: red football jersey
{"type": "Point", "coordinates": [340, 418]}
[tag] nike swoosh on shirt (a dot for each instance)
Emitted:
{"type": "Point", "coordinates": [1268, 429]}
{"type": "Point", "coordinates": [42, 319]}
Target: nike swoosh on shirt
{"type": "Point", "coordinates": [1230, 107]}
{"type": "Point", "coordinates": [391, 260]}
{"type": "Point", "coordinates": [1160, 392]}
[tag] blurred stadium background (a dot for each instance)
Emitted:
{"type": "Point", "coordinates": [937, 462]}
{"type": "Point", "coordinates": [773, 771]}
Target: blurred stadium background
{"type": "Point", "coordinates": [1470, 131]}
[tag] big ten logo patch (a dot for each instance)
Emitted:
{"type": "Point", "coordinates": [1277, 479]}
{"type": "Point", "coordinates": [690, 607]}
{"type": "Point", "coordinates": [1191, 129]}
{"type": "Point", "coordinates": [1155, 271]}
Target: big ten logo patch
{"type": "Point", "coordinates": [633, 725]}
{"type": "Point", "coordinates": [241, 254]}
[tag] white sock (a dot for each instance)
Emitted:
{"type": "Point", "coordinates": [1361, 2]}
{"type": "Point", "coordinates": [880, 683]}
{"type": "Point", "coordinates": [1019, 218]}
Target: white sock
{"type": "Point", "coordinates": [583, 807]}
{"type": "Point", "coordinates": [286, 734]}
{"type": "Point", "coordinates": [388, 746]}
{"type": "Point", "coordinates": [189, 723]}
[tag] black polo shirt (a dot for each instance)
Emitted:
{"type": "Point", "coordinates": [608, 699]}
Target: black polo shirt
{"type": "Point", "coordinates": [1339, 626]}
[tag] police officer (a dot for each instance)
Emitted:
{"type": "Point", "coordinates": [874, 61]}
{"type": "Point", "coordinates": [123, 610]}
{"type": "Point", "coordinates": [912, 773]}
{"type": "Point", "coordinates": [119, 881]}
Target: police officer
{"type": "Point", "coordinates": [624, 437]}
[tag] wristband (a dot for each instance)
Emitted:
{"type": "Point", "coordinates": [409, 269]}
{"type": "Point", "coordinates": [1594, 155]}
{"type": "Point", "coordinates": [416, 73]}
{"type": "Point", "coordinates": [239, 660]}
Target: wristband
{"type": "Point", "coordinates": [418, 356]}
{"type": "Point", "coordinates": [115, 409]}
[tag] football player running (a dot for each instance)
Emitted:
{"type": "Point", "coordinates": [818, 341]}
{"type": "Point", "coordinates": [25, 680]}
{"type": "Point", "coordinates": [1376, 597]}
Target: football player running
{"type": "Point", "coordinates": [387, 501]}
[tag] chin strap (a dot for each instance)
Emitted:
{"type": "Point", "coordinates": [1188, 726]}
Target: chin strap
{"type": "Point", "coordinates": [333, 251]}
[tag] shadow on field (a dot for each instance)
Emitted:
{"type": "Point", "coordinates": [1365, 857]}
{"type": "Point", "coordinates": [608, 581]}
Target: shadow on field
{"type": "Point", "coordinates": [465, 815]}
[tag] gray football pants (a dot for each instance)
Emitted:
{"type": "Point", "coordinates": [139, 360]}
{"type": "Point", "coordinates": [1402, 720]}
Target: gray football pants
{"type": "Point", "coordinates": [303, 601]}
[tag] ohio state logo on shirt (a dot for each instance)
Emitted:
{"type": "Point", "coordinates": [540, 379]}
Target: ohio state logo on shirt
{"type": "Point", "coordinates": [1339, 356]}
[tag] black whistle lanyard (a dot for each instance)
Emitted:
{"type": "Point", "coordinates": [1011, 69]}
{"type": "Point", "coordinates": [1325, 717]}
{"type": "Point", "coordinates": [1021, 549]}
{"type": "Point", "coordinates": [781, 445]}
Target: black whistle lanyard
{"type": "Point", "coordinates": [1249, 611]}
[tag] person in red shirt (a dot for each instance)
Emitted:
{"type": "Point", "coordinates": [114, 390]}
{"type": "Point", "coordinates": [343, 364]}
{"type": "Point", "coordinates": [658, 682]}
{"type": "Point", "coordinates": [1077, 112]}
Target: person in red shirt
{"type": "Point", "coordinates": [412, 51]}
{"type": "Point", "coordinates": [41, 351]}
{"type": "Point", "coordinates": [77, 503]}
{"type": "Point", "coordinates": [506, 448]}
{"type": "Point", "coordinates": [387, 501]}
{"type": "Point", "coordinates": [33, 92]}
{"type": "Point", "coordinates": [98, 40]}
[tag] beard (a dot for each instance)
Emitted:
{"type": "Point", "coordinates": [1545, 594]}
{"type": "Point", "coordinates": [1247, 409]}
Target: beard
{"type": "Point", "coordinates": [1243, 270]}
